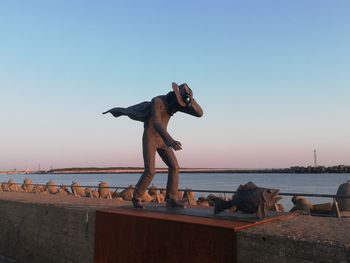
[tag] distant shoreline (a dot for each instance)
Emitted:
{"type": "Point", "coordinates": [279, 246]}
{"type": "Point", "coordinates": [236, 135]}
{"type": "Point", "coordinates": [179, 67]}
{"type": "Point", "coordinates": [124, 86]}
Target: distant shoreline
{"type": "Point", "coordinates": [164, 170]}
{"type": "Point", "coordinates": [133, 170]}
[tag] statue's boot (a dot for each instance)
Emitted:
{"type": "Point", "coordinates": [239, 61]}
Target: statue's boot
{"type": "Point", "coordinates": [137, 203]}
{"type": "Point", "coordinates": [220, 205]}
{"type": "Point", "coordinates": [172, 203]}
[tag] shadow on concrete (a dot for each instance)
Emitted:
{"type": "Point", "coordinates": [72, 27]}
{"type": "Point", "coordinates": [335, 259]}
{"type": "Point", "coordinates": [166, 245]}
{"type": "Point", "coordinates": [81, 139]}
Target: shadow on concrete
{"type": "Point", "coordinates": [7, 260]}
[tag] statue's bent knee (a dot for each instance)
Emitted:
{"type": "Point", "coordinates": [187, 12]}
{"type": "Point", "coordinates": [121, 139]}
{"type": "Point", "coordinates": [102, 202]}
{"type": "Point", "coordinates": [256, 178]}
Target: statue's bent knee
{"type": "Point", "coordinates": [174, 169]}
{"type": "Point", "coordinates": [149, 173]}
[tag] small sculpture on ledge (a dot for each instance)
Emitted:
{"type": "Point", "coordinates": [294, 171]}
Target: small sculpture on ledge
{"type": "Point", "coordinates": [249, 198]}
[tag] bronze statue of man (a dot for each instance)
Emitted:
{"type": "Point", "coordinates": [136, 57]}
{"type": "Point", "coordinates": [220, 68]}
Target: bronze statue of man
{"type": "Point", "coordinates": [156, 115]}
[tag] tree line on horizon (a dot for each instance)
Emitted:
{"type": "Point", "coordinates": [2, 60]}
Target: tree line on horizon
{"type": "Point", "coordinates": [293, 169]}
{"type": "Point", "coordinates": [320, 169]}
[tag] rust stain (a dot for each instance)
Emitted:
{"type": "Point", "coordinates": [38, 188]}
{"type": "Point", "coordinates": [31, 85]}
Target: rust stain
{"type": "Point", "coordinates": [127, 235]}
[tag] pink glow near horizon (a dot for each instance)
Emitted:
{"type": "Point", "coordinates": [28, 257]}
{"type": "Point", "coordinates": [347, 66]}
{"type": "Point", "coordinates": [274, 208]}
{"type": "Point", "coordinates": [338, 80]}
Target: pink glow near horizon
{"type": "Point", "coordinates": [273, 84]}
{"type": "Point", "coordinates": [224, 158]}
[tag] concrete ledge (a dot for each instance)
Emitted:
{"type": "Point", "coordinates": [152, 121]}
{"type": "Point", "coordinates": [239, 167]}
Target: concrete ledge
{"type": "Point", "coordinates": [46, 233]}
{"type": "Point", "coordinates": [40, 228]}
{"type": "Point", "coordinates": [302, 239]}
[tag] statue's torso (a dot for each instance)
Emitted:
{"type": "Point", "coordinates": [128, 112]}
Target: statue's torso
{"type": "Point", "coordinates": [164, 117]}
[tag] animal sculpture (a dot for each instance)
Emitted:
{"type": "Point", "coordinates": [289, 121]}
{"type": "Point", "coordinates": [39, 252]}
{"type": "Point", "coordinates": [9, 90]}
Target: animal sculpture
{"type": "Point", "coordinates": [249, 198]}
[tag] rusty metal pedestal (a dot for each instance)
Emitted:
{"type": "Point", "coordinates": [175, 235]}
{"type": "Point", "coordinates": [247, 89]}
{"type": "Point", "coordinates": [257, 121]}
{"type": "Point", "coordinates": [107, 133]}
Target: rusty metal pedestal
{"type": "Point", "coordinates": [158, 234]}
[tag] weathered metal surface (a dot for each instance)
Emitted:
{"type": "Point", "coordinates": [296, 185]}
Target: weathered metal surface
{"type": "Point", "coordinates": [131, 235]}
{"type": "Point", "coordinates": [207, 212]}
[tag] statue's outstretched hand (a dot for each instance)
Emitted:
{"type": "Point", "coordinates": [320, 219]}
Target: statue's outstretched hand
{"type": "Point", "coordinates": [176, 145]}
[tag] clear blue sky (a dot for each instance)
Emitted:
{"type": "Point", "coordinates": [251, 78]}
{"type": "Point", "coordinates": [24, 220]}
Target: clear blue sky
{"type": "Point", "coordinates": [273, 78]}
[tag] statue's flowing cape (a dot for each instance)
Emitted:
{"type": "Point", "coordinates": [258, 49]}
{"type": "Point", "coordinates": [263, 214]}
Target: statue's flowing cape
{"type": "Point", "coordinates": [138, 112]}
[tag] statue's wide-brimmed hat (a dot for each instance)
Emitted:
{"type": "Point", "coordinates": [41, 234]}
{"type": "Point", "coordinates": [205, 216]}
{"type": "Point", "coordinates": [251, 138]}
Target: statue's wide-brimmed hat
{"type": "Point", "coordinates": [184, 97]}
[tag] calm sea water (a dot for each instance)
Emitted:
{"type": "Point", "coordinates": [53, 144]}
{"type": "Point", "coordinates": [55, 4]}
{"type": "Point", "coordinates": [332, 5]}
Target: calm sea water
{"type": "Point", "coordinates": [300, 183]}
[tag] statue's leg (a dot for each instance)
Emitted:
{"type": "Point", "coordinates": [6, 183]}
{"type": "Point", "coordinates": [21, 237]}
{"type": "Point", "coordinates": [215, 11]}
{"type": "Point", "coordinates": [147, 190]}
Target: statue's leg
{"type": "Point", "coordinates": [149, 153]}
{"type": "Point", "coordinates": [169, 158]}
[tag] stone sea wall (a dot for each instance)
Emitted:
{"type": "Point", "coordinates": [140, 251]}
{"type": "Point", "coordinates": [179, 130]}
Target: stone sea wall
{"type": "Point", "coordinates": [46, 233]}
